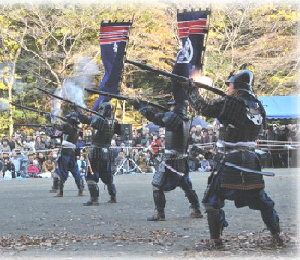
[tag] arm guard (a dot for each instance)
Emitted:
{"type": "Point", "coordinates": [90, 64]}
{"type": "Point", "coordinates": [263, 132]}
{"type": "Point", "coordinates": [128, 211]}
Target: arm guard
{"type": "Point", "coordinates": [172, 121]}
{"type": "Point", "coordinates": [97, 122]}
{"type": "Point", "coordinates": [209, 108]}
{"type": "Point", "coordinates": [156, 118]}
{"type": "Point", "coordinates": [84, 119]}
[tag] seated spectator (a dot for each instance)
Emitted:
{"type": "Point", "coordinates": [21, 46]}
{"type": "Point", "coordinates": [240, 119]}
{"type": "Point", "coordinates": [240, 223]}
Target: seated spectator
{"type": "Point", "coordinates": [48, 166]}
{"type": "Point", "coordinates": [205, 165]}
{"type": "Point", "coordinates": [41, 159]}
{"type": "Point", "coordinates": [32, 169]}
{"type": "Point", "coordinates": [8, 167]}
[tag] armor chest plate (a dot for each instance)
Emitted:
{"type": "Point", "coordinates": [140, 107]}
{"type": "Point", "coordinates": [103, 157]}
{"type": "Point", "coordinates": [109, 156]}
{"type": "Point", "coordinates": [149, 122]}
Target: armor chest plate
{"type": "Point", "coordinates": [178, 140]}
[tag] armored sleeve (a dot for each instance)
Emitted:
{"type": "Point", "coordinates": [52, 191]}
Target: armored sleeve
{"type": "Point", "coordinates": [208, 108]}
{"type": "Point", "coordinates": [233, 112]}
{"type": "Point", "coordinates": [152, 116]}
{"type": "Point", "coordinates": [84, 119]}
{"type": "Point", "coordinates": [172, 121]}
{"type": "Point", "coordinates": [97, 122]}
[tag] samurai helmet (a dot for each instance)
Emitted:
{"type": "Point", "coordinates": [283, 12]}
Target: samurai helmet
{"type": "Point", "coordinates": [243, 81]}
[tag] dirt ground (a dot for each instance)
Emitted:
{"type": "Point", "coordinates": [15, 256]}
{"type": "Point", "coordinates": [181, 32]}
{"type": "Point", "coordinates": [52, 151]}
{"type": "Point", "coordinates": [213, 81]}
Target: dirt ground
{"type": "Point", "coordinates": [37, 225]}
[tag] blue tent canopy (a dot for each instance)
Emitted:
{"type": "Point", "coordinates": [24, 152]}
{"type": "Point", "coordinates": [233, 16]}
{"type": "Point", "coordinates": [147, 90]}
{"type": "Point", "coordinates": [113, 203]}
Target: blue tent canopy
{"type": "Point", "coordinates": [281, 107]}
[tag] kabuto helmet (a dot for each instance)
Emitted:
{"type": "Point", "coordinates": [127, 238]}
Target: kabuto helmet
{"type": "Point", "coordinates": [243, 81]}
{"type": "Point", "coordinates": [106, 109]}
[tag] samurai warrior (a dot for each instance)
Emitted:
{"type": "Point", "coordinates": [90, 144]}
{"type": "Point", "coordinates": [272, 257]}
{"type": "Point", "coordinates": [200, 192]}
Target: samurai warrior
{"type": "Point", "coordinates": [67, 162]}
{"type": "Point", "coordinates": [99, 158]}
{"type": "Point", "coordinates": [242, 118]}
{"type": "Point", "coordinates": [174, 170]}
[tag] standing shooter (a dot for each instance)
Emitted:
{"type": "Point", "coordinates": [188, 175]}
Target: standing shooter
{"type": "Point", "coordinates": [174, 170]}
{"type": "Point", "coordinates": [99, 158]}
{"type": "Point", "coordinates": [67, 162]}
{"type": "Point", "coordinates": [242, 118]}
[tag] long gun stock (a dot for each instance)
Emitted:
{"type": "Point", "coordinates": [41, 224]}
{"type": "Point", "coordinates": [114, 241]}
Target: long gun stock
{"type": "Point", "coordinates": [103, 93]}
{"type": "Point", "coordinates": [68, 101]}
{"type": "Point", "coordinates": [175, 76]}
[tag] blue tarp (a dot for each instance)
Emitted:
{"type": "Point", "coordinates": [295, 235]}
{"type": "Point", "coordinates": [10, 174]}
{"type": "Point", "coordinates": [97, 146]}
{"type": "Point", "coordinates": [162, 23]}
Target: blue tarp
{"type": "Point", "coordinates": [281, 107]}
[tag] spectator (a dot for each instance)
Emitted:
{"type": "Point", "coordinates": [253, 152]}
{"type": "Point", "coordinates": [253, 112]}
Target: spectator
{"type": "Point", "coordinates": [119, 141]}
{"type": "Point", "coordinates": [205, 165]}
{"type": "Point", "coordinates": [41, 159]}
{"type": "Point", "coordinates": [138, 140]}
{"type": "Point", "coordinates": [82, 165]}
{"type": "Point", "coordinates": [145, 142]}
{"type": "Point", "coordinates": [8, 167]}
{"type": "Point", "coordinates": [192, 132]}
{"type": "Point", "coordinates": [155, 145]}
{"type": "Point", "coordinates": [162, 140]}
{"type": "Point", "coordinates": [197, 136]}
{"type": "Point", "coordinates": [48, 142]}
{"type": "Point", "coordinates": [5, 147]}
{"type": "Point", "coordinates": [80, 142]}
{"type": "Point", "coordinates": [48, 166]}
{"type": "Point", "coordinates": [161, 131]}
{"type": "Point", "coordinates": [194, 162]}
{"type": "Point", "coordinates": [205, 137]}
{"type": "Point", "coordinates": [16, 159]}
{"type": "Point", "coordinates": [18, 142]}
{"type": "Point", "coordinates": [11, 143]}
{"type": "Point", "coordinates": [212, 137]}
{"type": "Point", "coordinates": [39, 145]}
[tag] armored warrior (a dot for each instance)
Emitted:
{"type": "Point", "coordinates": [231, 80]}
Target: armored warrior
{"type": "Point", "coordinates": [67, 162]}
{"type": "Point", "coordinates": [174, 170]}
{"type": "Point", "coordinates": [242, 118]}
{"type": "Point", "coordinates": [99, 159]}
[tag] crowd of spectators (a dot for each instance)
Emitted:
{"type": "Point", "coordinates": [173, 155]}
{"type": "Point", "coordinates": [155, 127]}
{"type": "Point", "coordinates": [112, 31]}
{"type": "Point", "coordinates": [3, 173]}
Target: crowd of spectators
{"type": "Point", "coordinates": [35, 155]}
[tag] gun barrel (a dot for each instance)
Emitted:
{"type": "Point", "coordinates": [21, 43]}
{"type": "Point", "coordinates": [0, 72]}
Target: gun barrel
{"type": "Point", "coordinates": [38, 111]}
{"type": "Point", "coordinates": [103, 93]}
{"type": "Point", "coordinates": [172, 75]}
{"type": "Point", "coordinates": [160, 72]}
{"type": "Point", "coordinates": [66, 100]}
{"type": "Point", "coordinates": [32, 125]}
{"type": "Point", "coordinates": [124, 98]}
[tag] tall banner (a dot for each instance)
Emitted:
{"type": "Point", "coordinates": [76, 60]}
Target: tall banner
{"type": "Point", "coordinates": [192, 28]}
{"type": "Point", "coordinates": [113, 39]}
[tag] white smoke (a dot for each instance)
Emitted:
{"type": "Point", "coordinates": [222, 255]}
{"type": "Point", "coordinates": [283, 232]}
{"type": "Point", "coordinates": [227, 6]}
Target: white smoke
{"type": "Point", "coordinates": [73, 87]}
{"type": "Point", "coordinates": [3, 106]}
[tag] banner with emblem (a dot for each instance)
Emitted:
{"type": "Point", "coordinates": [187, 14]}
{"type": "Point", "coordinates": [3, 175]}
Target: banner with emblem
{"type": "Point", "coordinates": [192, 28]}
{"type": "Point", "coordinates": [113, 39]}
